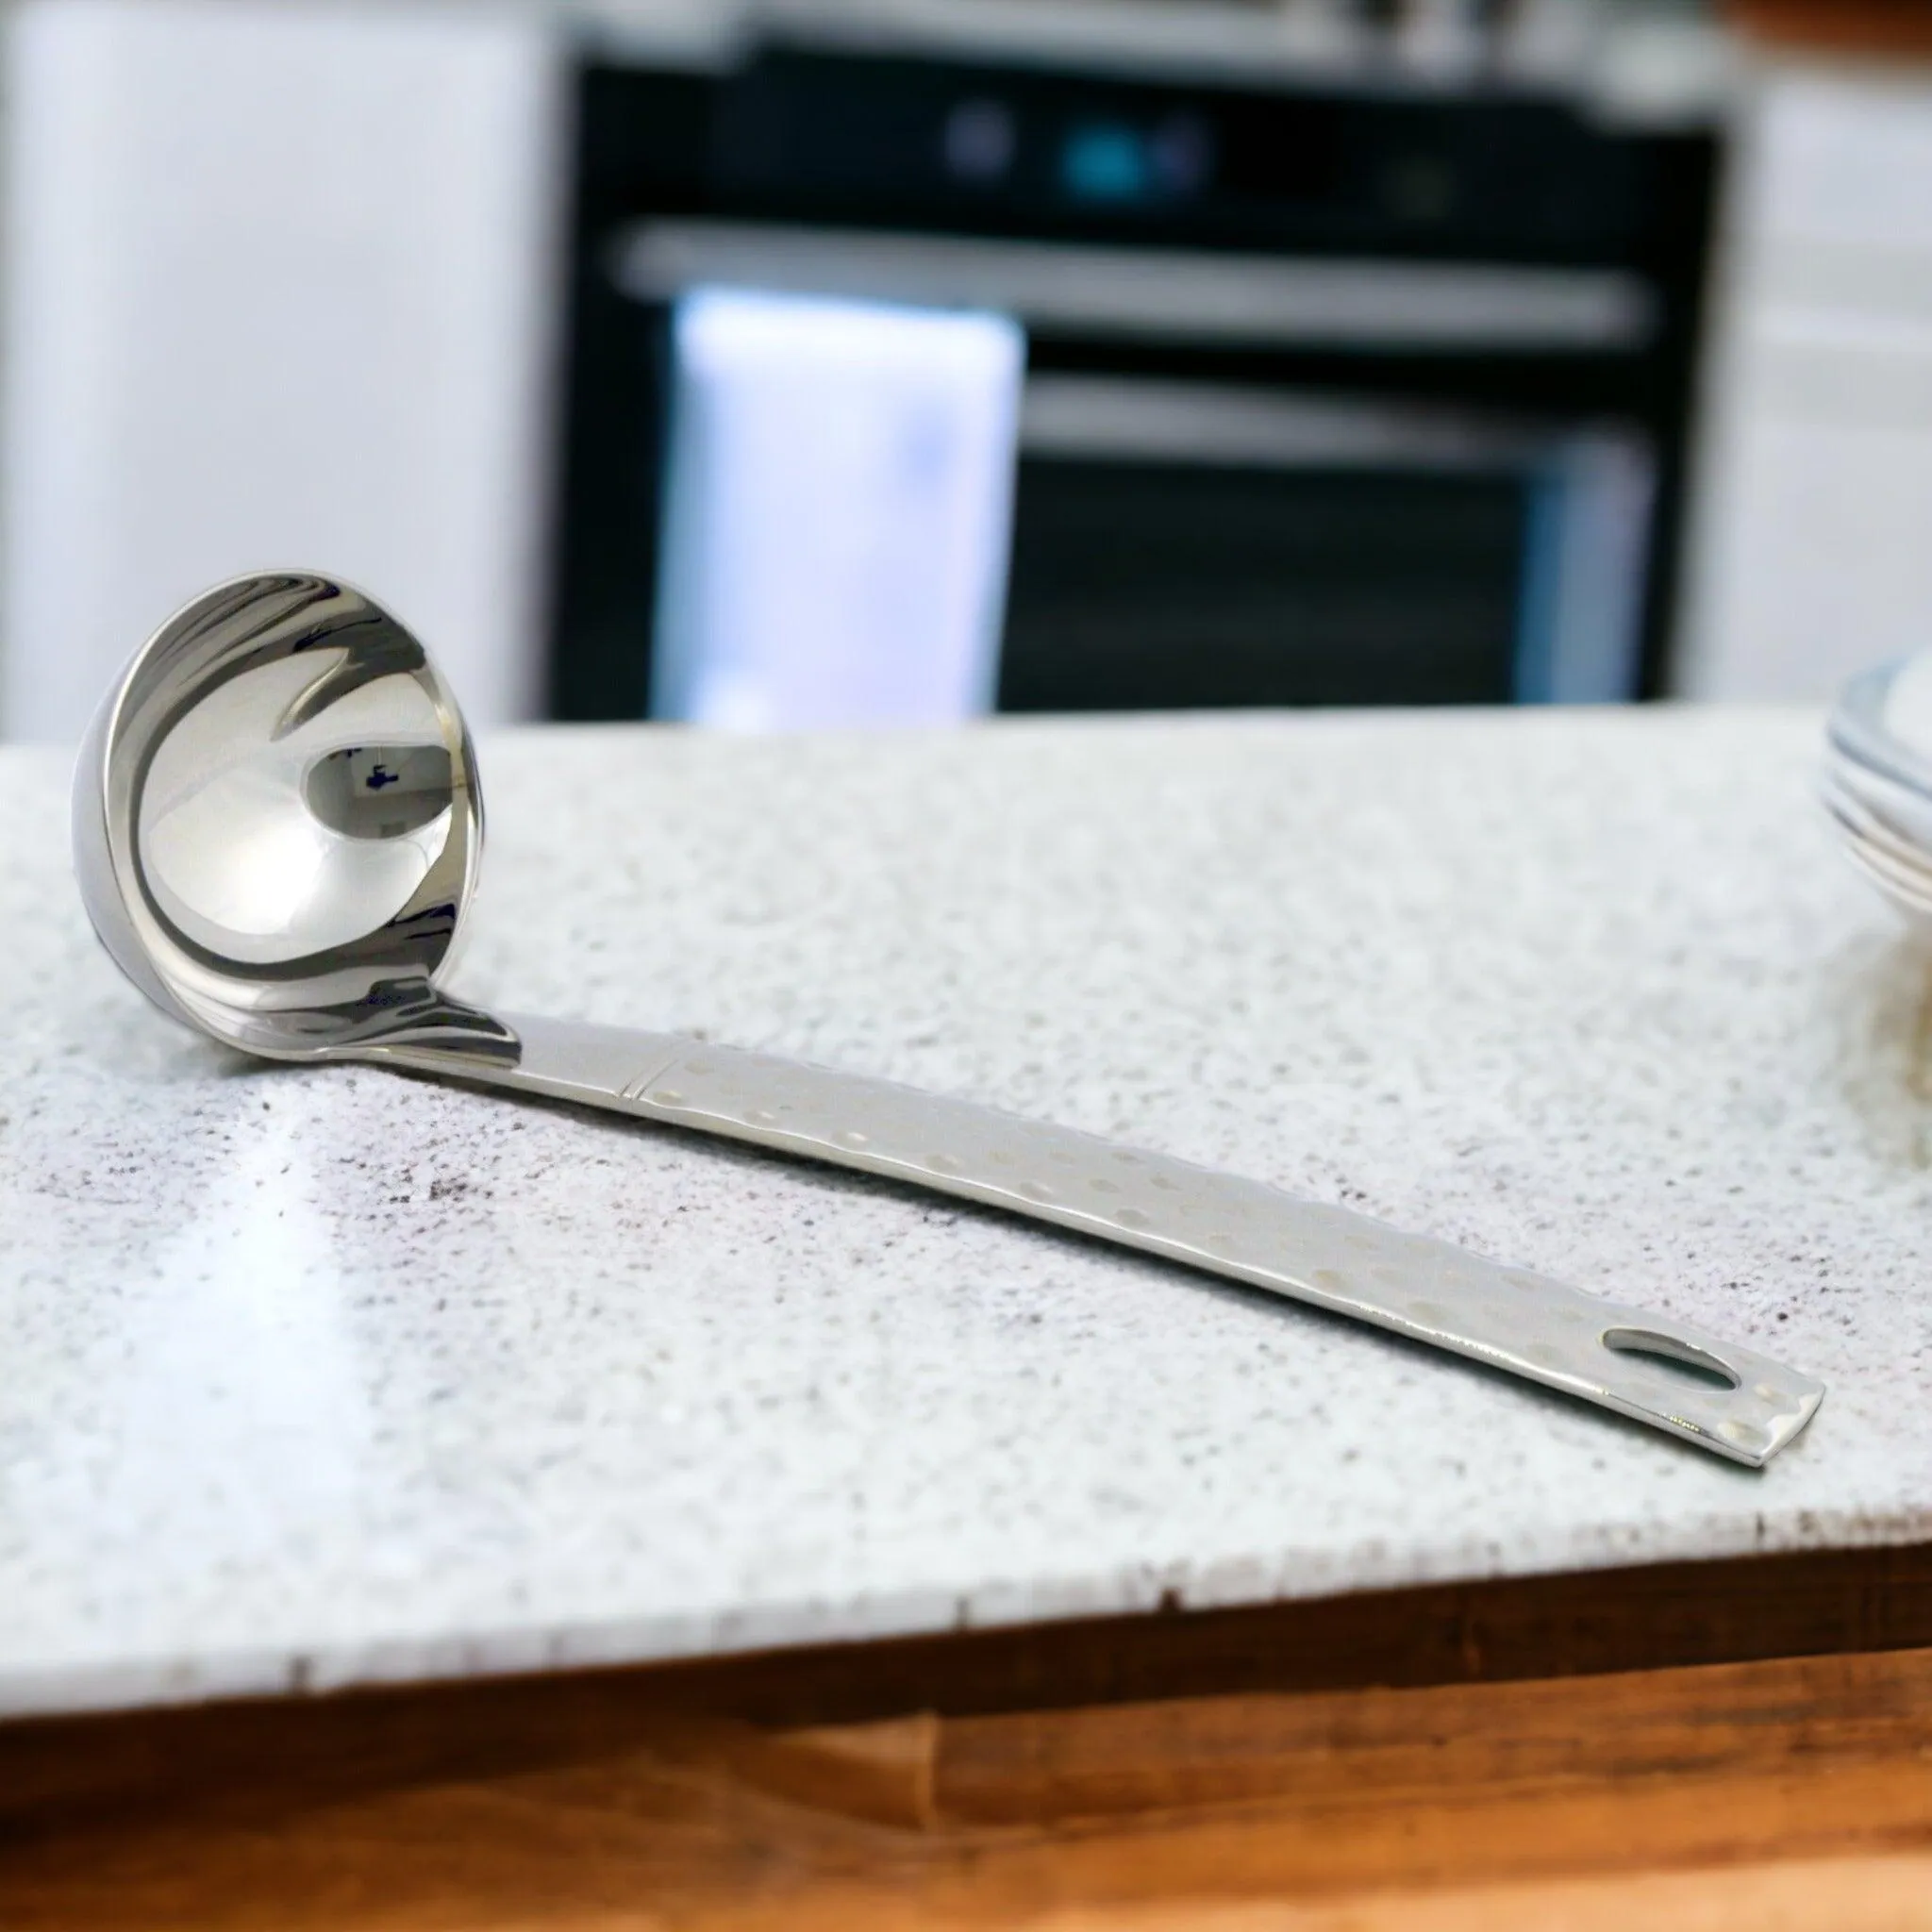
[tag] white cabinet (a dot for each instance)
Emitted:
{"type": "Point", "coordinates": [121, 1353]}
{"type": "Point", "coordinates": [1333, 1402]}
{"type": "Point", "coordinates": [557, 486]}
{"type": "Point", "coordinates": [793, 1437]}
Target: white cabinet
{"type": "Point", "coordinates": [1813, 538]}
{"type": "Point", "coordinates": [279, 291]}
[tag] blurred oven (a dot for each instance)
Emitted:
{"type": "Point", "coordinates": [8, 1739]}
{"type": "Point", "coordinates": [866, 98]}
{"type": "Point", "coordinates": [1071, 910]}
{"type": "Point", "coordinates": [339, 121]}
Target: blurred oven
{"type": "Point", "coordinates": [1337, 396]}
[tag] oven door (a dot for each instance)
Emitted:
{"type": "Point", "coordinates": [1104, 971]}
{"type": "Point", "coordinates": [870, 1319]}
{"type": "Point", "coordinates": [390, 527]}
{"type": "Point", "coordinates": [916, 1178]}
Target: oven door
{"type": "Point", "coordinates": [1180, 546]}
{"type": "Point", "coordinates": [1260, 480]}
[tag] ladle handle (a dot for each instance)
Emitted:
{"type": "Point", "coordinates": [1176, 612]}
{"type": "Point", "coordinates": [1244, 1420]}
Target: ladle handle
{"type": "Point", "coordinates": [1661, 1370]}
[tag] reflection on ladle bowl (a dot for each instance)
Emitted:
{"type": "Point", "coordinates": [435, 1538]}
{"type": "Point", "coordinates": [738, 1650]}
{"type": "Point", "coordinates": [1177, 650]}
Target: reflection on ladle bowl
{"type": "Point", "coordinates": [380, 792]}
{"type": "Point", "coordinates": [290, 811]}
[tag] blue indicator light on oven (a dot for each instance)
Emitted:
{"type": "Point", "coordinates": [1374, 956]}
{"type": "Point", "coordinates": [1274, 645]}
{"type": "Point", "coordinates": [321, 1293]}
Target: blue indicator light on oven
{"type": "Point", "coordinates": [1104, 162]}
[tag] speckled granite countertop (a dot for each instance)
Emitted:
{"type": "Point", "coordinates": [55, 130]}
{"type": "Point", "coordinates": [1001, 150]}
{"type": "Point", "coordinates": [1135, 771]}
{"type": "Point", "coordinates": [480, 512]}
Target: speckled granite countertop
{"type": "Point", "coordinates": [310, 1378]}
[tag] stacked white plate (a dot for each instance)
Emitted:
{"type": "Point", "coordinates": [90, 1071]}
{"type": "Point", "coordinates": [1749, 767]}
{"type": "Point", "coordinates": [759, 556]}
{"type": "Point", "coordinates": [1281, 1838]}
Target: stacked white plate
{"type": "Point", "coordinates": [1878, 782]}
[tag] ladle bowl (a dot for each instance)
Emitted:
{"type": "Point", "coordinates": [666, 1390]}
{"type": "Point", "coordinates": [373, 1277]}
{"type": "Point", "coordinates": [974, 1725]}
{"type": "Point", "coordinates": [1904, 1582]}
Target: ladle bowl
{"type": "Point", "coordinates": [276, 822]}
{"type": "Point", "coordinates": [277, 830]}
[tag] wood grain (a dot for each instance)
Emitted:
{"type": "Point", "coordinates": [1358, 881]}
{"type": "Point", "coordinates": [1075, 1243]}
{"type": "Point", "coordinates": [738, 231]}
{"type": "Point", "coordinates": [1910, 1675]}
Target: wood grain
{"type": "Point", "coordinates": [1714, 1795]}
{"type": "Point", "coordinates": [1877, 1895]}
{"type": "Point", "coordinates": [1580, 1623]}
{"type": "Point", "coordinates": [1843, 27]}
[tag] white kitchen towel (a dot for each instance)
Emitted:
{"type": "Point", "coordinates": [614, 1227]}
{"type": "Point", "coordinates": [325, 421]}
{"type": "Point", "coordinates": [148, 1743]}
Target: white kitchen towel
{"type": "Point", "coordinates": [838, 502]}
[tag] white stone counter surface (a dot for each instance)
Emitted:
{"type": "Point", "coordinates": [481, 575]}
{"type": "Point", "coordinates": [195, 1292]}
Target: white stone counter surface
{"type": "Point", "coordinates": [311, 1377]}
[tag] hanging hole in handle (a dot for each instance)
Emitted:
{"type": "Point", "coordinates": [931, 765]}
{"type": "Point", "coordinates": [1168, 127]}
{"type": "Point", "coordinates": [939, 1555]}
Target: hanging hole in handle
{"type": "Point", "coordinates": [1677, 1358]}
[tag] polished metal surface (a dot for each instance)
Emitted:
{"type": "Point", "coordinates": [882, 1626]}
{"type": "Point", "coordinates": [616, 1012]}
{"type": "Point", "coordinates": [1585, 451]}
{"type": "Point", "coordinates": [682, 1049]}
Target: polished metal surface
{"type": "Point", "coordinates": [1878, 779]}
{"type": "Point", "coordinates": [1138, 292]}
{"type": "Point", "coordinates": [276, 830]}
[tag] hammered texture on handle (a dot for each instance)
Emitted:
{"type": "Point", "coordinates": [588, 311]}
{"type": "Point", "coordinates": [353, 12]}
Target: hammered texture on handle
{"type": "Point", "coordinates": [1246, 1230]}
{"type": "Point", "coordinates": [1606, 1352]}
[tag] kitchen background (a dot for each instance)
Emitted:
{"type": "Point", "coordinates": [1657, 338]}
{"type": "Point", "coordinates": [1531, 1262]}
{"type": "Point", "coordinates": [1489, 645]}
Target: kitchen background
{"type": "Point", "coordinates": [778, 365]}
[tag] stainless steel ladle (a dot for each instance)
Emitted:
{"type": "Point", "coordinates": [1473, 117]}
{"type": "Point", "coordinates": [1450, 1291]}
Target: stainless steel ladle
{"type": "Point", "coordinates": [276, 828]}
